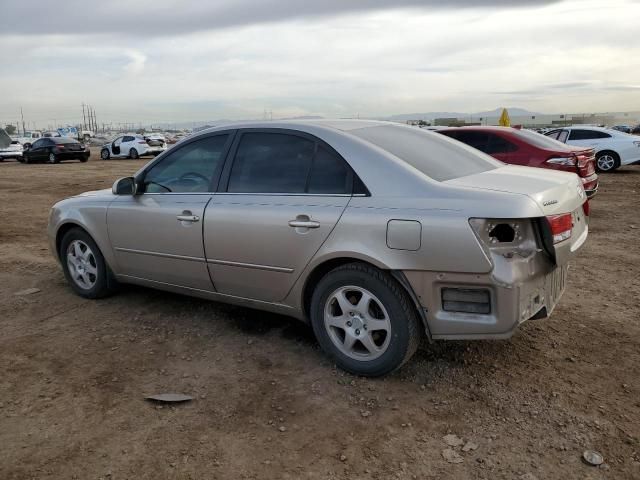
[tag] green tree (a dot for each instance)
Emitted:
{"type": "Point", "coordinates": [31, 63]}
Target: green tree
{"type": "Point", "coordinates": [11, 129]}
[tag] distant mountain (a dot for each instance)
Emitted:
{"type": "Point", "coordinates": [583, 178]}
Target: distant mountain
{"type": "Point", "coordinates": [430, 116]}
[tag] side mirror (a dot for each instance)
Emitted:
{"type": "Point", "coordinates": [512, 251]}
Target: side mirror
{"type": "Point", "coordinates": [124, 186]}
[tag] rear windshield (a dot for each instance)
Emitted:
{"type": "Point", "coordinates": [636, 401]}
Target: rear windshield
{"type": "Point", "coordinates": [63, 140]}
{"type": "Point", "coordinates": [437, 156]}
{"type": "Point", "coordinates": [539, 140]}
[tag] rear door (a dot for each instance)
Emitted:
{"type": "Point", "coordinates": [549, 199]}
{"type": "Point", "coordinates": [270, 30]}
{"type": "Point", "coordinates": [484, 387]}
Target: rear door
{"type": "Point", "coordinates": [279, 200]}
{"type": "Point", "coordinates": [157, 234]}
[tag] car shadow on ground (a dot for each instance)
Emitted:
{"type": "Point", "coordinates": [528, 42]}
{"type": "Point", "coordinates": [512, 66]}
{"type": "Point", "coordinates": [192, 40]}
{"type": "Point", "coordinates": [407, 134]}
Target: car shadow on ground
{"type": "Point", "coordinates": [209, 316]}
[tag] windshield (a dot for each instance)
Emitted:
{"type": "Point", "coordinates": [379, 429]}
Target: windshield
{"type": "Point", "coordinates": [437, 156]}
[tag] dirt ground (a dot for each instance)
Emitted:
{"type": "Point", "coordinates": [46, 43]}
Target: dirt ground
{"type": "Point", "coordinates": [268, 404]}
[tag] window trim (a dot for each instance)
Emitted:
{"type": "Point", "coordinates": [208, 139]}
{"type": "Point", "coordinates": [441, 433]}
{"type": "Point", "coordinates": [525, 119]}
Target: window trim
{"type": "Point", "coordinates": [215, 179]}
{"type": "Point", "coordinates": [223, 184]}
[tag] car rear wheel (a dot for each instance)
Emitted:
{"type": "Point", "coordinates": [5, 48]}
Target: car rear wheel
{"type": "Point", "coordinates": [364, 320]}
{"type": "Point", "coordinates": [607, 161]}
{"type": "Point", "coordinates": [133, 153]}
{"type": "Point", "coordinates": [53, 158]}
{"type": "Point", "coordinates": [104, 154]}
{"type": "Point", "coordinates": [84, 266]}
{"type": "Point", "coordinates": [83, 159]}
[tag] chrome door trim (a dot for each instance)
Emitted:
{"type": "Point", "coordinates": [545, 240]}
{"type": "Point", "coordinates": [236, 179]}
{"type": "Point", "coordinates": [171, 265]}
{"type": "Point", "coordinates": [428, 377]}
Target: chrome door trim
{"type": "Point", "coordinates": [250, 265]}
{"type": "Point", "coordinates": [158, 254]}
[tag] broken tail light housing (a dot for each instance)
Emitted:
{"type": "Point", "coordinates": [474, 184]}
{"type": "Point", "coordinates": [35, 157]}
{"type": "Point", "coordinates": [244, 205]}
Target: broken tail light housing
{"type": "Point", "coordinates": [561, 227]}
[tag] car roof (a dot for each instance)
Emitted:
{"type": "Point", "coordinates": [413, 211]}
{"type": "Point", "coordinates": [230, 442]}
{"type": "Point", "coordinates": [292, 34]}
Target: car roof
{"type": "Point", "coordinates": [487, 128]}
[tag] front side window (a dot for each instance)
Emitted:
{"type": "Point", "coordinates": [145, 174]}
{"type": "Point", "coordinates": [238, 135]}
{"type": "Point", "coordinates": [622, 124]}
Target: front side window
{"type": "Point", "coordinates": [271, 163]}
{"type": "Point", "coordinates": [189, 169]}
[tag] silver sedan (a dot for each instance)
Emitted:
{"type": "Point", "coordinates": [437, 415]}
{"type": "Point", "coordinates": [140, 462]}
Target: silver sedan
{"type": "Point", "coordinates": [377, 234]}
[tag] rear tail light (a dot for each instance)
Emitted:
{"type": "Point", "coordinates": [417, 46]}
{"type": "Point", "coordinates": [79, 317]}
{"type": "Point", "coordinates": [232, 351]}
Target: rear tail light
{"type": "Point", "coordinates": [142, 142]}
{"type": "Point", "coordinates": [561, 226]}
{"type": "Point", "coordinates": [564, 161]}
{"type": "Point", "coordinates": [60, 147]}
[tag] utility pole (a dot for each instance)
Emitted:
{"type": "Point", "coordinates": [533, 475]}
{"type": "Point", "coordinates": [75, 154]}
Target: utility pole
{"type": "Point", "coordinates": [22, 116]}
{"type": "Point", "coordinates": [84, 119]}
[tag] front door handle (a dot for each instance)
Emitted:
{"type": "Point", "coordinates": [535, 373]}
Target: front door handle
{"type": "Point", "coordinates": [188, 217]}
{"type": "Point", "coordinates": [304, 221]}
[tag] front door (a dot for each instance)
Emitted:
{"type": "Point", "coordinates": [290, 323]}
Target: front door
{"type": "Point", "coordinates": [279, 201]}
{"type": "Point", "coordinates": [157, 234]}
{"type": "Point", "coordinates": [115, 146]}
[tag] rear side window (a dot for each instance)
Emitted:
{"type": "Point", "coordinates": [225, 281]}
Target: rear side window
{"type": "Point", "coordinates": [329, 174]}
{"type": "Point", "coordinates": [431, 153]}
{"type": "Point", "coordinates": [128, 139]}
{"type": "Point", "coordinates": [271, 163]}
{"type": "Point", "coordinates": [190, 168]}
{"type": "Point", "coordinates": [578, 134]}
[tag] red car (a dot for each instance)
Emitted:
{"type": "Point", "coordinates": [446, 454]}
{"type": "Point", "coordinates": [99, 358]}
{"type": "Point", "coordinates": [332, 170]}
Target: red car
{"type": "Point", "coordinates": [524, 147]}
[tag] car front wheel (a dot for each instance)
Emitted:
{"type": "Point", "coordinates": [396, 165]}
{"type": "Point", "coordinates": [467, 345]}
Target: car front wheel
{"type": "Point", "coordinates": [84, 266]}
{"type": "Point", "coordinates": [364, 320]}
{"type": "Point", "coordinates": [607, 161]}
{"type": "Point", "coordinates": [104, 154]}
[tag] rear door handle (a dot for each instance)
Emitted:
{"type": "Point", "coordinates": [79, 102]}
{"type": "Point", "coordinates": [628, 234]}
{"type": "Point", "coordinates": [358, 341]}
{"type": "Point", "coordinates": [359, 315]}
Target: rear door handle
{"type": "Point", "coordinates": [303, 221]}
{"type": "Point", "coordinates": [188, 218]}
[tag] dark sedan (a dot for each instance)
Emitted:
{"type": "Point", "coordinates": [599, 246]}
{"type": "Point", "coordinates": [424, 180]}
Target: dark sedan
{"type": "Point", "coordinates": [55, 150]}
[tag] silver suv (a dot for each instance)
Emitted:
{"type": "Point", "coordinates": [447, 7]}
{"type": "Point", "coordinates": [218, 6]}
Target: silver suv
{"type": "Point", "coordinates": [377, 234]}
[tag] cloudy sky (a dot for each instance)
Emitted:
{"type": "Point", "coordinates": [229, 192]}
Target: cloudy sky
{"type": "Point", "coordinates": [174, 61]}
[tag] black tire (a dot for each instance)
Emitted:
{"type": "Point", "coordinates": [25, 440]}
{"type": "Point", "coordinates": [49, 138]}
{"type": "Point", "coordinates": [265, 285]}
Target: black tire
{"type": "Point", "coordinates": [133, 153]}
{"type": "Point", "coordinates": [53, 158]}
{"type": "Point", "coordinates": [83, 159]}
{"type": "Point", "coordinates": [104, 154]}
{"type": "Point", "coordinates": [20, 159]}
{"type": "Point", "coordinates": [105, 283]}
{"type": "Point", "coordinates": [405, 326]}
{"type": "Point", "coordinates": [603, 161]}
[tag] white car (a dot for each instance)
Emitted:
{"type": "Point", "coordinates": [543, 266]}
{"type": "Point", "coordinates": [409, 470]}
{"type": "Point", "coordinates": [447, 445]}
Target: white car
{"type": "Point", "coordinates": [13, 150]}
{"type": "Point", "coordinates": [613, 148]}
{"type": "Point", "coordinates": [132, 146]}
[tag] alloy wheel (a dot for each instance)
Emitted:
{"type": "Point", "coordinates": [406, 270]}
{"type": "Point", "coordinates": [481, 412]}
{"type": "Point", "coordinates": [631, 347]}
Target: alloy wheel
{"type": "Point", "coordinates": [82, 264]}
{"type": "Point", "coordinates": [357, 323]}
{"type": "Point", "coordinates": [606, 162]}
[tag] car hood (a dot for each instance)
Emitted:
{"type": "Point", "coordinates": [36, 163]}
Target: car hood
{"type": "Point", "coordinates": [553, 191]}
{"type": "Point", "coordinates": [96, 193]}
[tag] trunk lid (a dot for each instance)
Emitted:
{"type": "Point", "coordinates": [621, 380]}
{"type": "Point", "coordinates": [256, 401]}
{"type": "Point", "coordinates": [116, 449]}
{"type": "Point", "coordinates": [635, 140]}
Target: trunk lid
{"type": "Point", "coordinates": [553, 191]}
